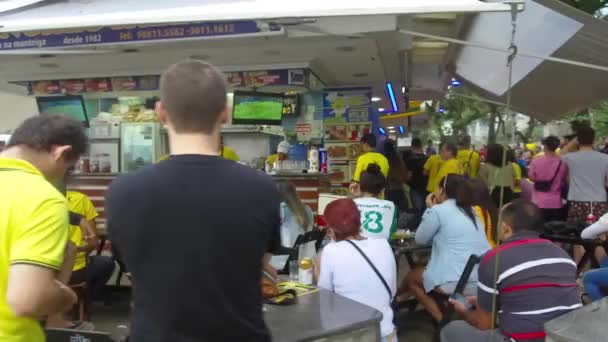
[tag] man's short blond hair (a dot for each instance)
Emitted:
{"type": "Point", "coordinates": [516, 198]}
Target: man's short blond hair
{"type": "Point", "coordinates": [194, 96]}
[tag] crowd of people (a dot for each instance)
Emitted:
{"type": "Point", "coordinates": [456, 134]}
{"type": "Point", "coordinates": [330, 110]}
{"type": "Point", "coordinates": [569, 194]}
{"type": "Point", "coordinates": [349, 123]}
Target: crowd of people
{"type": "Point", "coordinates": [456, 193]}
{"type": "Point", "coordinates": [205, 285]}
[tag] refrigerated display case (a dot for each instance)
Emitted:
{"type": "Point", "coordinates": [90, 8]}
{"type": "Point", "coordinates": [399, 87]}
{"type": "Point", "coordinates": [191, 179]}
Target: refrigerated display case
{"type": "Point", "coordinates": [142, 144]}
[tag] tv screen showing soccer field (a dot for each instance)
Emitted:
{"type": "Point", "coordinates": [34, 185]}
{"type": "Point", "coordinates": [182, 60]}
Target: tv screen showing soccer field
{"type": "Point", "coordinates": [257, 108]}
{"type": "Point", "coordinates": [72, 106]}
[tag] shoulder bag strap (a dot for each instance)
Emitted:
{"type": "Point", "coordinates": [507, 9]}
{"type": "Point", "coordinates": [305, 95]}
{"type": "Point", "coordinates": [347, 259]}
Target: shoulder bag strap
{"type": "Point", "coordinates": [556, 172]}
{"type": "Point", "coordinates": [388, 289]}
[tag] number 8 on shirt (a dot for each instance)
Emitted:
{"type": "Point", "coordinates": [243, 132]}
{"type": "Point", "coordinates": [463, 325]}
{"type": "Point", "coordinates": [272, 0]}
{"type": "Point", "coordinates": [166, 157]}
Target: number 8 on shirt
{"type": "Point", "coordinates": [378, 217]}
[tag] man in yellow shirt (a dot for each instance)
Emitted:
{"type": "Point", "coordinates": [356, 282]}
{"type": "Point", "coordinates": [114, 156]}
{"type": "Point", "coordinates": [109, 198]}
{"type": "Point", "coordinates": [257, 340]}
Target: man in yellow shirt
{"type": "Point", "coordinates": [468, 158]}
{"type": "Point", "coordinates": [431, 169]}
{"type": "Point", "coordinates": [83, 235]}
{"type": "Point", "coordinates": [95, 270]}
{"type": "Point", "coordinates": [369, 156]}
{"type": "Point", "coordinates": [226, 152]}
{"type": "Point", "coordinates": [281, 155]}
{"type": "Point", "coordinates": [450, 164]}
{"type": "Point", "coordinates": [34, 224]}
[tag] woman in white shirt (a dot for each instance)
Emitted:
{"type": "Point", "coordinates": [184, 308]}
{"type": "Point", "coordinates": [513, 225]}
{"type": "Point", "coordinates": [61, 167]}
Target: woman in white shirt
{"type": "Point", "coordinates": [345, 271]}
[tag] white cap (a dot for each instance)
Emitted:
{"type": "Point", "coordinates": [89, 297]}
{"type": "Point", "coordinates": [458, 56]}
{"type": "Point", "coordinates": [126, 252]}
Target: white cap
{"type": "Point", "coordinates": [283, 147]}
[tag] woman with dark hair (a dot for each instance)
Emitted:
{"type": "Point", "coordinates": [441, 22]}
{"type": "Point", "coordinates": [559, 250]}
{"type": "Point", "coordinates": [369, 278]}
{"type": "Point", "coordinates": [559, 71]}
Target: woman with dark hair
{"type": "Point", "coordinates": [497, 172]}
{"type": "Point", "coordinates": [549, 169]}
{"type": "Point", "coordinates": [451, 226]}
{"type": "Point", "coordinates": [397, 178]}
{"type": "Point", "coordinates": [346, 264]}
{"type": "Point", "coordinates": [485, 208]}
{"type": "Point", "coordinates": [296, 219]}
{"type": "Point", "coordinates": [378, 216]}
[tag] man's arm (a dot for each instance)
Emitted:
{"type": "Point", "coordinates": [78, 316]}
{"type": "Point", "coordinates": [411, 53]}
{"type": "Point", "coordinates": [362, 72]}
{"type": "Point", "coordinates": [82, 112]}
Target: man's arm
{"type": "Point", "coordinates": [88, 225]}
{"type": "Point", "coordinates": [89, 233]}
{"type": "Point", "coordinates": [65, 273]}
{"type": "Point", "coordinates": [481, 316]}
{"type": "Point", "coordinates": [33, 291]}
{"type": "Point", "coordinates": [476, 316]}
{"type": "Point", "coordinates": [37, 255]}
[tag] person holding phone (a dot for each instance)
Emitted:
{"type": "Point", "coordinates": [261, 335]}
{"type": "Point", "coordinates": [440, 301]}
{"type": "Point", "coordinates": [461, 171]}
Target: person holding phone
{"type": "Point", "coordinates": [536, 282]}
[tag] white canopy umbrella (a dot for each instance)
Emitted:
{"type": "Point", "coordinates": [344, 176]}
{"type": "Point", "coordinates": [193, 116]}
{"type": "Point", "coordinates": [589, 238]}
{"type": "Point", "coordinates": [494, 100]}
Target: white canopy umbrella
{"type": "Point", "coordinates": [95, 13]}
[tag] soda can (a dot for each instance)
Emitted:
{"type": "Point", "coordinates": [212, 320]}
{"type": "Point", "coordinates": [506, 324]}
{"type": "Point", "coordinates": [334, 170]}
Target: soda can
{"type": "Point", "coordinates": [305, 274]}
{"type": "Point", "coordinates": [323, 160]}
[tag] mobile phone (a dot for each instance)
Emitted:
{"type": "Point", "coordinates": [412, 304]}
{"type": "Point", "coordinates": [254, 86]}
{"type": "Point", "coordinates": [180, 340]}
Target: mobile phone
{"type": "Point", "coordinates": [463, 300]}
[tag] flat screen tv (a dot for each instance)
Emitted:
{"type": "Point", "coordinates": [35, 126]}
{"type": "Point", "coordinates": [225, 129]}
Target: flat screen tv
{"type": "Point", "coordinates": [253, 108]}
{"type": "Point", "coordinates": [71, 105]}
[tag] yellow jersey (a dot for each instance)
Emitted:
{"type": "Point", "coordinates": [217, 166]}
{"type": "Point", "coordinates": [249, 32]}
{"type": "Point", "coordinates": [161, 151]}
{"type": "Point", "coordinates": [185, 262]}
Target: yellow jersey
{"type": "Point", "coordinates": [271, 160]}
{"type": "Point", "coordinates": [370, 158]}
{"type": "Point", "coordinates": [226, 153]}
{"type": "Point", "coordinates": [33, 230]}
{"type": "Point", "coordinates": [451, 166]}
{"type": "Point", "coordinates": [470, 162]}
{"type": "Point", "coordinates": [80, 204]}
{"type": "Point", "coordinates": [229, 154]}
{"type": "Point", "coordinates": [432, 166]}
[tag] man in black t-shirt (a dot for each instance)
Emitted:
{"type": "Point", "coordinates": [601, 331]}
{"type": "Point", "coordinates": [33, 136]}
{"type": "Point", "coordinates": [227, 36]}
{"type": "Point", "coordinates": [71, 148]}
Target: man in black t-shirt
{"type": "Point", "coordinates": [414, 161]}
{"type": "Point", "coordinates": [194, 228]}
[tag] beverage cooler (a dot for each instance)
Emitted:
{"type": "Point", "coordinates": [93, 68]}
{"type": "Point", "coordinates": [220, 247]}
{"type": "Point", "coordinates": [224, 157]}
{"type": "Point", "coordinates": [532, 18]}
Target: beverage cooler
{"type": "Point", "coordinates": [141, 144]}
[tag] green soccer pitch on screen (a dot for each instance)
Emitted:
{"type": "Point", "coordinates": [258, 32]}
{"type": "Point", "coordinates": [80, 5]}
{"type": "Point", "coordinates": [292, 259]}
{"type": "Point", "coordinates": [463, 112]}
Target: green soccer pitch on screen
{"type": "Point", "coordinates": [255, 108]}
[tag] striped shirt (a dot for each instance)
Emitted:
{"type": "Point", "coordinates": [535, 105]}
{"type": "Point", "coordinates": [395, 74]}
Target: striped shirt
{"type": "Point", "coordinates": [536, 282]}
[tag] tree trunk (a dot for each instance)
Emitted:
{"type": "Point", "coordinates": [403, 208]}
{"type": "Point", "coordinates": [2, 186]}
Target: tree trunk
{"type": "Point", "coordinates": [524, 139]}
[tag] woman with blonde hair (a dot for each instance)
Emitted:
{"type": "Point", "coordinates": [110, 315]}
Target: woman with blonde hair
{"type": "Point", "coordinates": [296, 219]}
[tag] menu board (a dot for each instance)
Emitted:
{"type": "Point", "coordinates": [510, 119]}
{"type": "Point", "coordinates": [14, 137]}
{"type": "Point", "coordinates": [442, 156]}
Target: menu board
{"type": "Point", "coordinates": [346, 132]}
{"type": "Point", "coordinates": [347, 105]}
{"type": "Point", "coordinates": [249, 79]}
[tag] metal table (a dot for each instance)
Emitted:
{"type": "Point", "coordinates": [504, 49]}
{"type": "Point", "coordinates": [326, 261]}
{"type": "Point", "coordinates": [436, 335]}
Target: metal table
{"type": "Point", "coordinates": [408, 248]}
{"type": "Point", "coordinates": [323, 316]}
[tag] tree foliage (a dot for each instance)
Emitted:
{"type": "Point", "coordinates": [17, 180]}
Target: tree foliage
{"type": "Point", "coordinates": [592, 7]}
{"type": "Point", "coordinates": [460, 109]}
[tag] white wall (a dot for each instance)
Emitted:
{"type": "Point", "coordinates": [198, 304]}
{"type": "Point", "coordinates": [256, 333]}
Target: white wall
{"type": "Point", "coordinates": [248, 146]}
{"type": "Point", "coordinates": [14, 109]}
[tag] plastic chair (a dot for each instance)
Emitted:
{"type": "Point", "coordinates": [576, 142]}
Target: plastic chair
{"type": "Point", "coordinates": [442, 299]}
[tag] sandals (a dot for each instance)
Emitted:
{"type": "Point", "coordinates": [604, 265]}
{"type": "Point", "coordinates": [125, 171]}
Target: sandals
{"type": "Point", "coordinates": [82, 326]}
